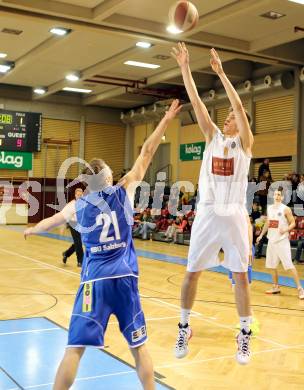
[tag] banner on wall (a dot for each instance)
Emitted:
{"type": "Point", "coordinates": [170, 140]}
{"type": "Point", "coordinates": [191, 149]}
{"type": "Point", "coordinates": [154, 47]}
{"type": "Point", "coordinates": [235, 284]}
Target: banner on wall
{"type": "Point", "coordinates": [191, 152]}
{"type": "Point", "coordinates": [16, 160]}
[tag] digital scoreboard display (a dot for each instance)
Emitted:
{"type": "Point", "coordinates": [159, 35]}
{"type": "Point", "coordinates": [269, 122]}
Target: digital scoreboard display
{"type": "Point", "coordinates": [20, 131]}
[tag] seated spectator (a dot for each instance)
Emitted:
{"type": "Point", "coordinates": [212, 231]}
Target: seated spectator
{"type": "Point", "coordinates": [178, 226]}
{"type": "Point", "coordinates": [140, 222]}
{"type": "Point", "coordinates": [300, 248]}
{"type": "Point", "coordinates": [257, 229]}
{"type": "Point", "coordinates": [255, 212]}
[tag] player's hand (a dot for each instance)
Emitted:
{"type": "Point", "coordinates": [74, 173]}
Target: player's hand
{"type": "Point", "coordinates": [258, 239]}
{"type": "Point", "coordinates": [28, 232]}
{"type": "Point", "coordinates": [181, 54]}
{"type": "Point", "coordinates": [283, 231]}
{"type": "Point", "coordinates": [173, 110]}
{"type": "Point", "coordinates": [215, 62]}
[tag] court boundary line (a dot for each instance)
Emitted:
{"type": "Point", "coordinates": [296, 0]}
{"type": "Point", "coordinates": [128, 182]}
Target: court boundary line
{"type": "Point", "coordinates": [151, 299]}
{"type": "Point", "coordinates": [299, 346]}
{"type": "Point", "coordinates": [29, 330]}
{"type": "Point", "coordinates": [157, 375]}
{"type": "Point", "coordinates": [11, 378]}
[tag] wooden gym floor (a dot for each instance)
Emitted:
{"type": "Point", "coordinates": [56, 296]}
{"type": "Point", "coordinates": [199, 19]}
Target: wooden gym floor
{"type": "Point", "coordinates": [35, 283]}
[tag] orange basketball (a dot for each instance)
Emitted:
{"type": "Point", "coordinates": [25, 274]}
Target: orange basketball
{"type": "Point", "coordinates": [183, 15]}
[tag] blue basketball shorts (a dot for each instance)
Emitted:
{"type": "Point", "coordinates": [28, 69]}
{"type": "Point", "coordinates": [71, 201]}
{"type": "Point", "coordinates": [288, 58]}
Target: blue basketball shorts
{"type": "Point", "coordinates": [96, 301]}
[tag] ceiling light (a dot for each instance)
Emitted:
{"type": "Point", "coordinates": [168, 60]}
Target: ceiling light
{"type": "Point", "coordinates": [6, 66]}
{"type": "Point", "coordinates": [40, 91]}
{"type": "Point", "coordinates": [60, 31]}
{"type": "Point", "coordinates": [144, 45]}
{"type": "Point", "coordinates": [81, 90]}
{"type": "Point", "coordinates": [75, 76]}
{"type": "Point", "coordinates": [273, 15]}
{"type": "Point", "coordinates": [173, 29]}
{"type": "Point", "coordinates": [298, 1]}
{"type": "Point", "coordinates": [3, 55]}
{"type": "Point", "coordinates": [142, 64]}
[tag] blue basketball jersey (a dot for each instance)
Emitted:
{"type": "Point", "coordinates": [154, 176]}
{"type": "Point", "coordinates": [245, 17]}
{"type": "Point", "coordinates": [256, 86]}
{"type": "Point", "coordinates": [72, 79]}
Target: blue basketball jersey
{"type": "Point", "coordinates": [105, 220]}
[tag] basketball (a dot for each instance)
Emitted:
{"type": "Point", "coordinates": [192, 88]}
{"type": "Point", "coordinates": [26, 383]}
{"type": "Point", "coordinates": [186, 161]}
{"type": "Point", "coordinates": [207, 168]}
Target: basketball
{"type": "Point", "coordinates": [183, 15]}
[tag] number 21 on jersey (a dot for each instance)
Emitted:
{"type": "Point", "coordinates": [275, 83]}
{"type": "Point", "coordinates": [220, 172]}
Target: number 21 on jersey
{"type": "Point", "coordinates": [106, 221]}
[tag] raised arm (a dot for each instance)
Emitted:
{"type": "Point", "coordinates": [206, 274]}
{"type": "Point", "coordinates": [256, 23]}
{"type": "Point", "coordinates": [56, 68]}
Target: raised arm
{"type": "Point", "coordinates": [56, 220]}
{"type": "Point", "coordinates": [235, 101]}
{"type": "Point", "coordinates": [150, 146]}
{"type": "Point", "coordinates": [205, 123]}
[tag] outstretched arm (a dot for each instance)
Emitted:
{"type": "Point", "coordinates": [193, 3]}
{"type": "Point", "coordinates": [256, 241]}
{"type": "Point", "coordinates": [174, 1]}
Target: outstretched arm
{"type": "Point", "coordinates": [150, 146]}
{"type": "Point", "coordinates": [56, 220]}
{"type": "Point", "coordinates": [206, 125]}
{"type": "Point", "coordinates": [235, 101]}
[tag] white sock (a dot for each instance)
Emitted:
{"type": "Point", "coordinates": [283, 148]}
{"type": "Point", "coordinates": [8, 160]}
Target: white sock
{"type": "Point", "coordinates": [245, 323]}
{"type": "Point", "coordinates": [185, 315]}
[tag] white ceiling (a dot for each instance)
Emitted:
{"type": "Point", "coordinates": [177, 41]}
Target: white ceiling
{"type": "Point", "coordinates": [104, 34]}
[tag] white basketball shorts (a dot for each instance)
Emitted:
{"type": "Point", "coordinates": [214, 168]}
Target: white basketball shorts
{"type": "Point", "coordinates": [279, 251]}
{"type": "Point", "coordinates": [214, 228]}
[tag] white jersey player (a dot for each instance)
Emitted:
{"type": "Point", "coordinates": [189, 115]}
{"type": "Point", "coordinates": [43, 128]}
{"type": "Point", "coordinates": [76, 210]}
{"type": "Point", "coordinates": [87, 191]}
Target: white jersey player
{"type": "Point", "coordinates": [280, 222]}
{"type": "Point", "coordinates": [221, 215]}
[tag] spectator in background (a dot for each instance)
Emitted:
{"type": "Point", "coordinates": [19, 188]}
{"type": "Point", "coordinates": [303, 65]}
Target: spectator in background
{"type": "Point", "coordinates": [264, 167]}
{"type": "Point", "coordinates": [77, 243]}
{"type": "Point", "coordinates": [255, 211]}
{"type": "Point", "coordinates": [178, 225]}
{"type": "Point", "coordinates": [300, 248]}
{"type": "Point", "coordinates": [262, 194]}
{"type": "Point", "coordinates": [300, 191]}
{"type": "Point", "coordinates": [257, 229]}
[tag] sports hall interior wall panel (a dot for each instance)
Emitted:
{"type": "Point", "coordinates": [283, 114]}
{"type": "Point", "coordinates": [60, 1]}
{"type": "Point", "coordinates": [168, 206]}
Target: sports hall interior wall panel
{"type": "Point", "coordinates": [275, 144]}
{"type": "Point", "coordinates": [142, 132]}
{"type": "Point", "coordinates": [106, 142]}
{"type": "Point", "coordinates": [59, 130]}
{"type": "Point", "coordinates": [275, 114]}
{"type": "Point", "coordinates": [278, 169]}
{"type": "Point", "coordinates": [13, 174]}
{"type": "Point", "coordinates": [189, 170]}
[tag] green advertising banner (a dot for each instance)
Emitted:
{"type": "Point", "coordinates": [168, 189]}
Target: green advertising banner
{"type": "Point", "coordinates": [16, 160]}
{"type": "Point", "coordinates": [190, 152]}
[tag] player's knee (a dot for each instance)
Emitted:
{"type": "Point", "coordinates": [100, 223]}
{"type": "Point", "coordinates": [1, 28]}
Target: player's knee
{"type": "Point", "coordinates": [192, 277]}
{"type": "Point", "coordinates": [241, 278]}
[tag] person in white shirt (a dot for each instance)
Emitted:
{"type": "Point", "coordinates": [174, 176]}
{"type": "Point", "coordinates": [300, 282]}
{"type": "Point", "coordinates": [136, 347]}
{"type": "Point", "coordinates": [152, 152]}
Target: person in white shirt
{"type": "Point", "coordinates": [221, 219]}
{"type": "Point", "coordinates": [280, 222]}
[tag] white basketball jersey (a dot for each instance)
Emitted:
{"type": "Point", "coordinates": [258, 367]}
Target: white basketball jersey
{"type": "Point", "coordinates": [224, 172]}
{"type": "Point", "coordinates": [277, 220]}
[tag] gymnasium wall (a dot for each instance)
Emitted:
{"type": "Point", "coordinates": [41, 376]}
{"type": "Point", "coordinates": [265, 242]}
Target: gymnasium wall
{"type": "Point", "coordinates": [274, 128]}
{"type": "Point", "coordinates": [103, 136]}
{"type": "Point", "coordinates": [141, 132]}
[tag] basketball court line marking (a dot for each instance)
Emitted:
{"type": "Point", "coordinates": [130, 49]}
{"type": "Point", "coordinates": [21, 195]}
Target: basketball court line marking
{"type": "Point", "coordinates": [29, 331]}
{"type": "Point", "coordinates": [228, 356]}
{"type": "Point", "coordinates": [200, 315]}
{"type": "Point", "coordinates": [23, 269]}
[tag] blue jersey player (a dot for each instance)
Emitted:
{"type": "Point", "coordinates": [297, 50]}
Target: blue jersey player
{"type": "Point", "coordinates": [109, 280]}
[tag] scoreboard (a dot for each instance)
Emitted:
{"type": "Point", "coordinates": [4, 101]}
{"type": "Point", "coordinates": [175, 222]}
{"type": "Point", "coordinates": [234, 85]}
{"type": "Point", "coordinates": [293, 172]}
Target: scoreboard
{"type": "Point", "coordinates": [20, 131]}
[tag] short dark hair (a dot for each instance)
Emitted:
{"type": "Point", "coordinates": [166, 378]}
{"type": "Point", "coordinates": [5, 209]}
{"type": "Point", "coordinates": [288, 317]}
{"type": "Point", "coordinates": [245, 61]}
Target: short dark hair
{"type": "Point", "coordinates": [280, 189]}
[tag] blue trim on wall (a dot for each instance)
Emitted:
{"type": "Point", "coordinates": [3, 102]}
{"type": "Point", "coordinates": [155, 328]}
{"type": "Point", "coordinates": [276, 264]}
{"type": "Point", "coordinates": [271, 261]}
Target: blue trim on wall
{"type": "Point", "coordinates": [256, 275]}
